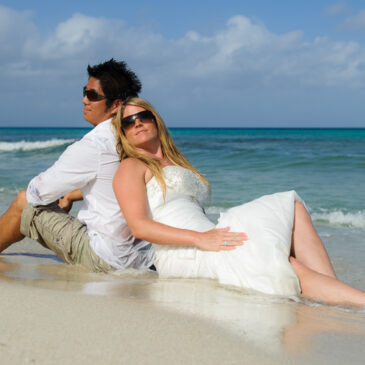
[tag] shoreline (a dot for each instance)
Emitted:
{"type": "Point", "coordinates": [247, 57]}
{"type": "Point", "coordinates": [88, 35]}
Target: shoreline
{"type": "Point", "coordinates": [54, 312]}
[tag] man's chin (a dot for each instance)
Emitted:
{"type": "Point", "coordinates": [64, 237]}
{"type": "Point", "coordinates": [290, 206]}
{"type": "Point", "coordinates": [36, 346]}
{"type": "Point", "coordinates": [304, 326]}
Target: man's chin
{"type": "Point", "coordinates": [87, 119]}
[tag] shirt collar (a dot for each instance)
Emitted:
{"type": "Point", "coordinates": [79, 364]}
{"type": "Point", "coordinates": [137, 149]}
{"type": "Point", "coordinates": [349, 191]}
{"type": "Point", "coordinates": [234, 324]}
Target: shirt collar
{"type": "Point", "coordinates": [103, 124]}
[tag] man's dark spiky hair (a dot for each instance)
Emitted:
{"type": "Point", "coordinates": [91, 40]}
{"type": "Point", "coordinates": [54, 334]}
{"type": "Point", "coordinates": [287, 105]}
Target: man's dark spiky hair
{"type": "Point", "coordinates": [116, 79]}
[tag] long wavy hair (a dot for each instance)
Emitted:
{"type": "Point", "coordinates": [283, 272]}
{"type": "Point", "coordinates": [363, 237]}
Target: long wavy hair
{"type": "Point", "coordinates": [169, 149]}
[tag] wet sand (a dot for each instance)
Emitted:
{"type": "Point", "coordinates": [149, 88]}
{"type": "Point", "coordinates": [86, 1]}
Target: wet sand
{"type": "Point", "coordinates": [57, 313]}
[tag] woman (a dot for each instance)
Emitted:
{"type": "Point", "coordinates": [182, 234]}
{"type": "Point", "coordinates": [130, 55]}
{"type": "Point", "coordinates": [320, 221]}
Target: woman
{"type": "Point", "coordinates": [161, 196]}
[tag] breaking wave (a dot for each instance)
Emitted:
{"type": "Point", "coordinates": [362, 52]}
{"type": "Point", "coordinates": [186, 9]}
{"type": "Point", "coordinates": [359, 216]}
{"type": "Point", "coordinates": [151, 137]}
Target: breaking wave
{"type": "Point", "coordinates": [334, 218]}
{"type": "Point", "coordinates": [339, 218]}
{"type": "Point", "coordinates": [32, 146]}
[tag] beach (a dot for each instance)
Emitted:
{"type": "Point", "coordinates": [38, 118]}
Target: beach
{"type": "Point", "coordinates": [56, 313]}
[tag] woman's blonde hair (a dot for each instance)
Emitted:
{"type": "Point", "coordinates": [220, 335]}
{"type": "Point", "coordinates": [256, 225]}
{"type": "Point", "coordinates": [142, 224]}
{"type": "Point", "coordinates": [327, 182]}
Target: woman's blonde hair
{"type": "Point", "coordinates": [169, 149]}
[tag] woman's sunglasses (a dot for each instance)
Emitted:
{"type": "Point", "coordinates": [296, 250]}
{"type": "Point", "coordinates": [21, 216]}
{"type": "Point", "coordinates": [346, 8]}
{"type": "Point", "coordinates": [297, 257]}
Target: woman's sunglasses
{"type": "Point", "coordinates": [92, 95]}
{"type": "Point", "coordinates": [143, 116]}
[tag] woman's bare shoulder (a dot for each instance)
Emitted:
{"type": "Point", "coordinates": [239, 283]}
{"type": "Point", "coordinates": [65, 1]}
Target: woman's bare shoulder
{"type": "Point", "coordinates": [132, 167]}
{"type": "Point", "coordinates": [131, 162]}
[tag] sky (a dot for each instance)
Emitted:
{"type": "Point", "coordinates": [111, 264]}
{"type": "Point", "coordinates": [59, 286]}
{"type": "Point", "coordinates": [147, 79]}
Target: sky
{"type": "Point", "coordinates": [202, 63]}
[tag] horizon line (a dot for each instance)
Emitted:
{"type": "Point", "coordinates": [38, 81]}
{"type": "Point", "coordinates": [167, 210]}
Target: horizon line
{"type": "Point", "coordinates": [68, 127]}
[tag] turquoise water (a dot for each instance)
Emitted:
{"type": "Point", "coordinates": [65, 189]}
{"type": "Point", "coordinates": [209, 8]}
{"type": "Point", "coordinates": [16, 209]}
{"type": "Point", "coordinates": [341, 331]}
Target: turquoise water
{"type": "Point", "coordinates": [325, 166]}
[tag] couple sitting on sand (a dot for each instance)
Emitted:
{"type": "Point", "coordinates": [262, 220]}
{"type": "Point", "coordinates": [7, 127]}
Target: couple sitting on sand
{"type": "Point", "coordinates": [138, 188]}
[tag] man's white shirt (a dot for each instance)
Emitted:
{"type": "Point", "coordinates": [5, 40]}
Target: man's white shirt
{"type": "Point", "coordinates": [90, 165]}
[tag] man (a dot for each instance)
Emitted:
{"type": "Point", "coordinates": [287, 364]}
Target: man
{"type": "Point", "coordinates": [100, 238]}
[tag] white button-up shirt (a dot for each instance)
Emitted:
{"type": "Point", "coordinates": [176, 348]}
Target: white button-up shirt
{"type": "Point", "coordinates": [90, 165]}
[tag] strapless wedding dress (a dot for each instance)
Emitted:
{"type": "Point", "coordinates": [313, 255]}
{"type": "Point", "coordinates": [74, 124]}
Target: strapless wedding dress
{"type": "Point", "coordinates": [261, 263]}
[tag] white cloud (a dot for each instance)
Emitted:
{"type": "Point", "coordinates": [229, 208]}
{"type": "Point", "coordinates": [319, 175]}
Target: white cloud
{"type": "Point", "coordinates": [242, 60]}
{"type": "Point", "coordinates": [336, 9]}
{"type": "Point", "coordinates": [16, 30]}
{"type": "Point", "coordinates": [356, 22]}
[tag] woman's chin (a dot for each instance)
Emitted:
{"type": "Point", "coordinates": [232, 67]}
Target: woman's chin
{"type": "Point", "coordinates": [144, 141]}
{"type": "Point", "coordinates": [143, 146]}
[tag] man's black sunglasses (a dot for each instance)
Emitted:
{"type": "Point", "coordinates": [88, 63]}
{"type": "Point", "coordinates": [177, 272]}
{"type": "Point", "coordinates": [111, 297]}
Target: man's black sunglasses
{"type": "Point", "coordinates": [143, 116]}
{"type": "Point", "coordinates": [92, 95]}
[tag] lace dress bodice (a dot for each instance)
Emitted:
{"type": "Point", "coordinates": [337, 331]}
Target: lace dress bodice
{"type": "Point", "coordinates": [182, 207]}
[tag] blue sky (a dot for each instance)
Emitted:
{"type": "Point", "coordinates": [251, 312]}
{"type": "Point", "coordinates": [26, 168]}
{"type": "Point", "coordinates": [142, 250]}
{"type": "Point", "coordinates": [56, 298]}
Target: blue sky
{"type": "Point", "coordinates": [202, 63]}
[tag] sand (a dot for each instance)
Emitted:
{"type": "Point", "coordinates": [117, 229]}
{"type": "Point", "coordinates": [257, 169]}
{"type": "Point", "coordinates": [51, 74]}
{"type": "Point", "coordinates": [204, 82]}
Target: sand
{"type": "Point", "coordinates": [49, 327]}
{"type": "Point", "coordinates": [53, 313]}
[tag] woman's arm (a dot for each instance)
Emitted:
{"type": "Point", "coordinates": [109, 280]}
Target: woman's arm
{"type": "Point", "coordinates": [130, 190]}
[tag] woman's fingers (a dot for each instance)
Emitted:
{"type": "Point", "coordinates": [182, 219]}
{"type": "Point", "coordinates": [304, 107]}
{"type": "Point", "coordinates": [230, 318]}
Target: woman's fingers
{"type": "Point", "coordinates": [234, 238]}
{"type": "Point", "coordinates": [226, 232]}
{"type": "Point", "coordinates": [219, 239]}
{"type": "Point", "coordinates": [232, 243]}
{"type": "Point", "coordinates": [227, 248]}
{"type": "Point", "coordinates": [231, 240]}
{"type": "Point", "coordinates": [225, 229]}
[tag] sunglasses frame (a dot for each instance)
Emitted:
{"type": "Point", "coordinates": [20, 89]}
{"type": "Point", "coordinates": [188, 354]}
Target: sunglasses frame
{"type": "Point", "coordinates": [96, 97]}
{"type": "Point", "coordinates": [131, 119]}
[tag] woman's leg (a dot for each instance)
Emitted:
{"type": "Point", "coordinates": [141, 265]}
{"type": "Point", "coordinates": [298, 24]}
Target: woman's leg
{"type": "Point", "coordinates": [327, 289]}
{"type": "Point", "coordinates": [307, 247]}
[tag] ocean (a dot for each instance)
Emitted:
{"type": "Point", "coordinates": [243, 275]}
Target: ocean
{"type": "Point", "coordinates": [325, 166]}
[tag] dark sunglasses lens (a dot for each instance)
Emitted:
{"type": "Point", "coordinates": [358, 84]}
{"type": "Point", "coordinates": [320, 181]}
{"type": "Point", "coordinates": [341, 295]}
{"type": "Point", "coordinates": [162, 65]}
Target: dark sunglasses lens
{"type": "Point", "coordinates": [146, 114]}
{"type": "Point", "coordinates": [142, 116]}
{"type": "Point", "coordinates": [92, 95]}
{"type": "Point", "coordinates": [128, 122]}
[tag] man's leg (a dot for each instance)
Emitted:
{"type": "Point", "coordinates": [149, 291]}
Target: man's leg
{"type": "Point", "coordinates": [10, 222]}
{"type": "Point", "coordinates": [65, 235]}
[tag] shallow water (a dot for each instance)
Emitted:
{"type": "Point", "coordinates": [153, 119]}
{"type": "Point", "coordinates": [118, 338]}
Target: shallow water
{"type": "Point", "coordinates": [287, 328]}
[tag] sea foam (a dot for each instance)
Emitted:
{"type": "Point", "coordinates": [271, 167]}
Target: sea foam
{"type": "Point", "coordinates": [215, 210]}
{"type": "Point", "coordinates": [334, 218]}
{"type": "Point", "coordinates": [339, 218]}
{"type": "Point", "coordinates": [35, 145]}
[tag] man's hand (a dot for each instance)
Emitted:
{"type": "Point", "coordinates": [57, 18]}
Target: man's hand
{"type": "Point", "coordinates": [66, 201]}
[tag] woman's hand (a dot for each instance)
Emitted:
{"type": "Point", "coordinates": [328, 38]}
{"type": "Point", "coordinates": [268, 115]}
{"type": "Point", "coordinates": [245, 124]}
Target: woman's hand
{"type": "Point", "coordinates": [219, 239]}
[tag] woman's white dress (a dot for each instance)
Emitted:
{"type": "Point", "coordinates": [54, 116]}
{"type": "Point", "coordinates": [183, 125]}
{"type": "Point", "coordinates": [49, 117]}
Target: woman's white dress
{"type": "Point", "coordinates": [260, 264]}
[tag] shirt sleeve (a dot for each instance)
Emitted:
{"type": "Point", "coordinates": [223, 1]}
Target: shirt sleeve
{"type": "Point", "coordinates": [76, 167]}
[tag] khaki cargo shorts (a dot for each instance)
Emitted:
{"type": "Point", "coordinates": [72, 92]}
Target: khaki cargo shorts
{"type": "Point", "coordinates": [66, 236]}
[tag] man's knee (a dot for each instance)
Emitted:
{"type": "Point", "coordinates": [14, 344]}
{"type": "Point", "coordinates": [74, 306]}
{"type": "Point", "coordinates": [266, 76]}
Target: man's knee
{"type": "Point", "coordinates": [10, 222]}
{"type": "Point", "coordinates": [19, 202]}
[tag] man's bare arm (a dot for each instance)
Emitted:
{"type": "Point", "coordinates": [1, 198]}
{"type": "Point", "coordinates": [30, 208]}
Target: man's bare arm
{"type": "Point", "coordinates": [67, 200]}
